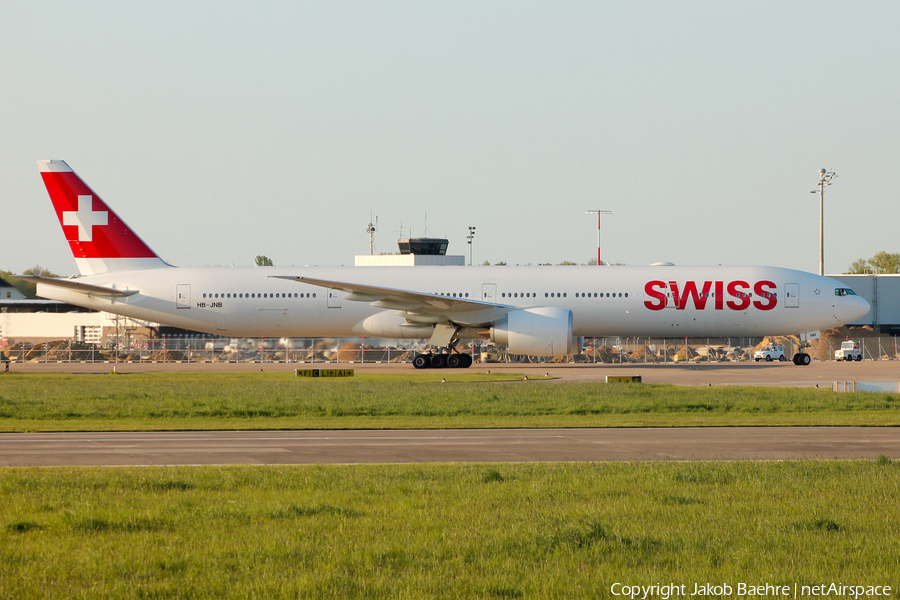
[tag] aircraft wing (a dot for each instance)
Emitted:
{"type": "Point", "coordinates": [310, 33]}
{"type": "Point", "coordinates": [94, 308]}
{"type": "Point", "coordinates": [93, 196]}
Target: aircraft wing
{"type": "Point", "coordinates": [417, 307]}
{"type": "Point", "coordinates": [77, 286]}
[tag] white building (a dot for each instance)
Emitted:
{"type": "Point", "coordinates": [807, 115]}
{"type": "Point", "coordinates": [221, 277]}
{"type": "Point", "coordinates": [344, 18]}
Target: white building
{"type": "Point", "coordinates": [87, 327]}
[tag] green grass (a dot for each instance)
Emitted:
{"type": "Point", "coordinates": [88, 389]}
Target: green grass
{"type": "Point", "coordinates": [180, 401]}
{"type": "Point", "coordinates": [443, 531]}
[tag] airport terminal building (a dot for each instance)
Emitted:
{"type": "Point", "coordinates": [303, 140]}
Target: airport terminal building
{"type": "Point", "coordinates": [882, 292]}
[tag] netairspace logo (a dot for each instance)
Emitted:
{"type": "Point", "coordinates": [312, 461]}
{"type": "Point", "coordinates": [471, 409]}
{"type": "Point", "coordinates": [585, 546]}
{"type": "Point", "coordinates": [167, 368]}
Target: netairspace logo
{"type": "Point", "coordinates": [672, 590]}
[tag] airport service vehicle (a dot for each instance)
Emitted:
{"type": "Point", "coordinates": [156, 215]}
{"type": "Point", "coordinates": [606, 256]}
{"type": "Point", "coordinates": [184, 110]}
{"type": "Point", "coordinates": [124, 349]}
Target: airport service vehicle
{"type": "Point", "coordinates": [769, 353]}
{"type": "Point", "coordinates": [491, 355]}
{"type": "Point", "coordinates": [535, 311]}
{"type": "Point", "coordinates": [849, 350]}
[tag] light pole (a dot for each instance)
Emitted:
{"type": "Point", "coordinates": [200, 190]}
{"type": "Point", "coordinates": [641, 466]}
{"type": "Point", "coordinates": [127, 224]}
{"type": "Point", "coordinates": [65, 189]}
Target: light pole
{"type": "Point", "coordinates": [470, 237]}
{"type": "Point", "coordinates": [370, 229]}
{"type": "Point", "coordinates": [599, 214]}
{"type": "Point", "coordinates": [825, 178]}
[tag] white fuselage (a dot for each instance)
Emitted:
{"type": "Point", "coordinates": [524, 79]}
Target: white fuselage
{"type": "Point", "coordinates": [660, 301]}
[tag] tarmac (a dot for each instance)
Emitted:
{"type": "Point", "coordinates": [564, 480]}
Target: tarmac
{"type": "Point", "coordinates": [476, 446]}
{"type": "Point", "coordinates": [775, 374]}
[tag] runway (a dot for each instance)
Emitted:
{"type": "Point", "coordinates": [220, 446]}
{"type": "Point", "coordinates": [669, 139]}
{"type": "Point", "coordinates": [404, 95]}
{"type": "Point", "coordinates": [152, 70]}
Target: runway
{"type": "Point", "coordinates": [469, 446]}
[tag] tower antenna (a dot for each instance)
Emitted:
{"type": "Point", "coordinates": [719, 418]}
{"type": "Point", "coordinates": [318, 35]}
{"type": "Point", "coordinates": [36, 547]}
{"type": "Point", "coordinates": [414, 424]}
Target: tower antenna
{"type": "Point", "coordinates": [599, 214]}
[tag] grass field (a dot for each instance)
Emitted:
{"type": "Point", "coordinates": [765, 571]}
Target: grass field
{"type": "Point", "coordinates": [184, 401]}
{"type": "Point", "coordinates": [443, 531]}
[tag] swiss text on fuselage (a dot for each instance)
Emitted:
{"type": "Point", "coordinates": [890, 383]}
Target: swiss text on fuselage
{"type": "Point", "coordinates": [717, 295]}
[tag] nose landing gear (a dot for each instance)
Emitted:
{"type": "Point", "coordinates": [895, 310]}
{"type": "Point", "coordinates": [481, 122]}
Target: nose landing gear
{"type": "Point", "coordinates": [802, 359]}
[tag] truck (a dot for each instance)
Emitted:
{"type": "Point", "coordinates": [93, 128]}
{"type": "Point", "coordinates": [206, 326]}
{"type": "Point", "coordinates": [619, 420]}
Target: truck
{"type": "Point", "coordinates": [849, 350]}
{"type": "Point", "coordinates": [769, 353]}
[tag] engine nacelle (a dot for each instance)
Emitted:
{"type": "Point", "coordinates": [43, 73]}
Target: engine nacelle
{"type": "Point", "coordinates": [542, 331]}
{"type": "Point", "coordinates": [390, 324]}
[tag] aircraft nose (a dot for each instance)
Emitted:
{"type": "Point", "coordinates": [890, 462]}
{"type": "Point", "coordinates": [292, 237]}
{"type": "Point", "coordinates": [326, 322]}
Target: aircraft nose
{"type": "Point", "coordinates": [863, 306]}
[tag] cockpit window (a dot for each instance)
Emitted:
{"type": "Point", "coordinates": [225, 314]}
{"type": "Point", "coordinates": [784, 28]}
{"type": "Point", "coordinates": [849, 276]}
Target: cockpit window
{"type": "Point", "coordinates": [844, 292]}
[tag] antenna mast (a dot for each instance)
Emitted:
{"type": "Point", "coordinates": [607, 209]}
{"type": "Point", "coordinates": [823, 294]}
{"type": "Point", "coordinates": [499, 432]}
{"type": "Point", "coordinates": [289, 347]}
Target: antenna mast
{"type": "Point", "coordinates": [599, 214]}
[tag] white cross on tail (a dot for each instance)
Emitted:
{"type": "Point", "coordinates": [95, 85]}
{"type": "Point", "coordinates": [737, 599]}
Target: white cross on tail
{"type": "Point", "coordinates": [85, 218]}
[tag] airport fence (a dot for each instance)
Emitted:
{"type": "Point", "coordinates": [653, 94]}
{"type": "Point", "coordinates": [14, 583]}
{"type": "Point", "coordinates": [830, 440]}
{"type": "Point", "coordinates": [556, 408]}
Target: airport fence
{"type": "Point", "coordinates": [335, 351]}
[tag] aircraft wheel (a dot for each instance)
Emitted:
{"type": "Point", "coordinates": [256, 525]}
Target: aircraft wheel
{"type": "Point", "coordinates": [804, 359]}
{"type": "Point", "coordinates": [467, 361]}
{"type": "Point", "coordinates": [454, 361]}
{"type": "Point", "coordinates": [768, 358]}
{"type": "Point", "coordinates": [438, 361]}
{"type": "Point", "coordinates": [421, 361]}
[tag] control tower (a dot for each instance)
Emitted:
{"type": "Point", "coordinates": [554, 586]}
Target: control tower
{"type": "Point", "coordinates": [414, 252]}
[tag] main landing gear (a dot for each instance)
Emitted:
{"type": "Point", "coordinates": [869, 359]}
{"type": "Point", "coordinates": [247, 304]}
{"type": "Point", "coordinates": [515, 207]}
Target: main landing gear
{"type": "Point", "coordinates": [441, 361]}
{"type": "Point", "coordinates": [802, 359]}
{"type": "Point", "coordinates": [447, 356]}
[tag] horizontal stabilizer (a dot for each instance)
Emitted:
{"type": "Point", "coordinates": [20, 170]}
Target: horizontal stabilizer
{"type": "Point", "coordinates": [77, 286]}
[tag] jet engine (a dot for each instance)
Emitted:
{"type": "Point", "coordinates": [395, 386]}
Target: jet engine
{"type": "Point", "coordinates": [541, 331]}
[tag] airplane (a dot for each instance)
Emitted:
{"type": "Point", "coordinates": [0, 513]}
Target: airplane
{"type": "Point", "coordinates": [536, 311]}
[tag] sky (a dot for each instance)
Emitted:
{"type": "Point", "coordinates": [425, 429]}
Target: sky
{"type": "Point", "coordinates": [223, 130]}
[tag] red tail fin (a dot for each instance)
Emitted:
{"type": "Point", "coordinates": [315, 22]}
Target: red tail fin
{"type": "Point", "coordinates": [99, 239]}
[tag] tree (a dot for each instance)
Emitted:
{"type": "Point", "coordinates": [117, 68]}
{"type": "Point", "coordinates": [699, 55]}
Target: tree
{"type": "Point", "coordinates": [39, 271]}
{"type": "Point", "coordinates": [264, 261]}
{"type": "Point", "coordinates": [882, 262]}
{"type": "Point", "coordinates": [27, 288]}
{"type": "Point", "coordinates": [567, 263]}
{"type": "Point", "coordinates": [486, 263]}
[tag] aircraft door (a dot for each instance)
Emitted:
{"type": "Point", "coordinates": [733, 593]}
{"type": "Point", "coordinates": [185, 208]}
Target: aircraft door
{"type": "Point", "coordinates": [792, 295]}
{"type": "Point", "coordinates": [489, 292]}
{"type": "Point", "coordinates": [183, 295]}
{"type": "Point", "coordinates": [334, 298]}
